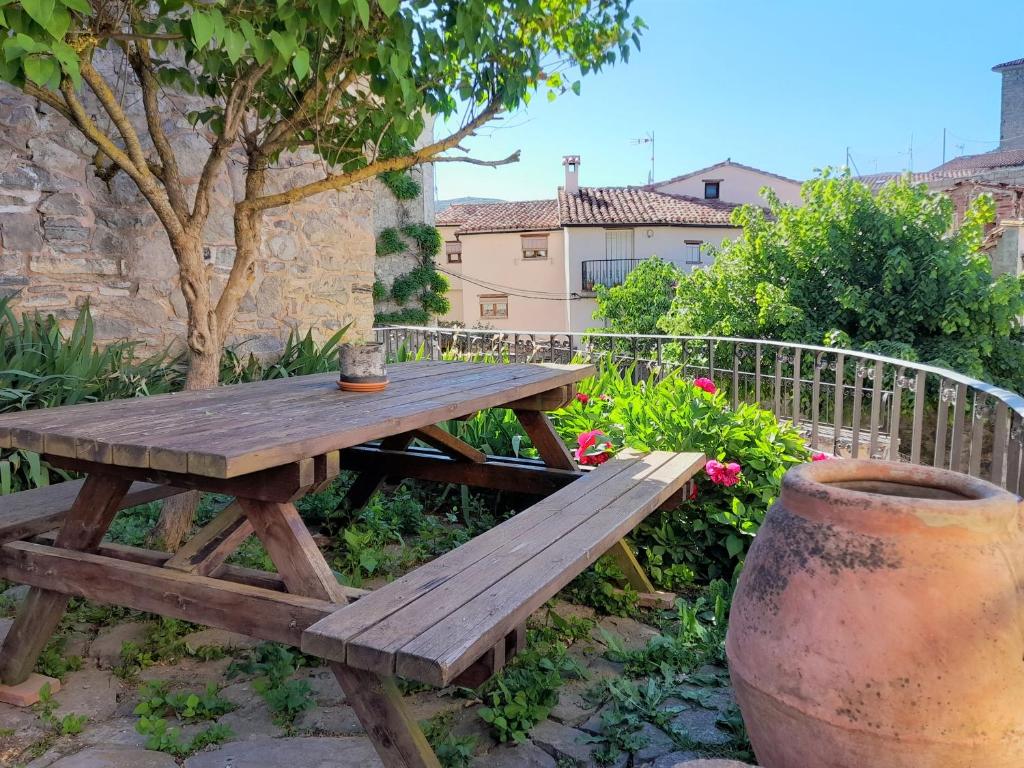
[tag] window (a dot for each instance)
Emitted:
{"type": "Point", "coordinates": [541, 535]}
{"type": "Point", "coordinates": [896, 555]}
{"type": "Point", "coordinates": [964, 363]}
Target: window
{"type": "Point", "coordinates": [691, 248]}
{"type": "Point", "coordinates": [494, 306]}
{"type": "Point", "coordinates": [453, 249]}
{"type": "Point", "coordinates": [711, 190]}
{"type": "Point", "coordinates": [535, 246]}
{"type": "Point", "coordinates": [618, 243]}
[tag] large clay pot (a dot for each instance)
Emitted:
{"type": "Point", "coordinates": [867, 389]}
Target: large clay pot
{"type": "Point", "coordinates": [879, 622]}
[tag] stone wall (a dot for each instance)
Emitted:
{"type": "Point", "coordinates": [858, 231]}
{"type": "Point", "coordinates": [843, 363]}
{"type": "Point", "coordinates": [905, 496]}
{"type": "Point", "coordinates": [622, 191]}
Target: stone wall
{"type": "Point", "coordinates": [1011, 120]}
{"type": "Point", "coordinates": [67, 238]}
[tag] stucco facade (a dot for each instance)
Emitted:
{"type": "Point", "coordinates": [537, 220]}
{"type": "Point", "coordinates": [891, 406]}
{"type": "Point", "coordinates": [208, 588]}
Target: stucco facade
{"type": "Point", "coordinates": [737, 183]}
{"type": "Point", "coordinates": [674, 244]}
{"type": "Point", "coordinates": [534, 289]}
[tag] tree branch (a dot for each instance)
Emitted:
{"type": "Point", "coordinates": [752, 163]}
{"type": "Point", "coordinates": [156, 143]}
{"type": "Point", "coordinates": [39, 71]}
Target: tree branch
{"type": "Point", "coordinates": [48, 98]}
{"type": "Point", "coordinates": [113, 108]}
{"type": "Point", "coordinates": [513, 158]}
{"type": "Point", "coordinates": [338, 181]}
{"type": "Point", "coordinates": [141, 63]}
{"type": "Point", "coordinates": [234, 114]}
{"type": "Point", "coordinates": [143, 178]}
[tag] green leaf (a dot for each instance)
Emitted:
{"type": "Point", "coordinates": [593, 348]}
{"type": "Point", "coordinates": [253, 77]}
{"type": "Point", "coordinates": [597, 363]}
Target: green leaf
{"type": "Point", "coordinates": [388, 6]}
{"type": "Point", "coordinates": [41, 69]}
{"type": "Point", "coordinates": [58, 23]}
{"type": "Point", "coordinates": [68, 61]}
{"type": "Point", "coordinates": [363, 7]}
{"type": "Point", "coordinates": [234, 44]}
{"type": "Point", "coordinates": [329, 11]}
{"type": "Point", "coordinates": [733, 545]}
{"type": "Point", "coordinates": [285, 44]}
{"type": "Point", "coordinates": [40, 11]}
{"type": "Point", "coordinates": [202, 28]}
{"type": "Point", "coordinates": [79, 6]}
{"type": "Point", "coordinates": [301, 63]}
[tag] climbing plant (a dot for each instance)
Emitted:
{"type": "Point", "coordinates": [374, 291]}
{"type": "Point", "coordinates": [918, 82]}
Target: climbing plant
{"type": "Point", "coordinates": [420, 292]}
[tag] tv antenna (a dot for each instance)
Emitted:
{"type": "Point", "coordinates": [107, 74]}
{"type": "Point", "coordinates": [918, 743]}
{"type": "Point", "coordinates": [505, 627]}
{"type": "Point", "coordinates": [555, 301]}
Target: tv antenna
{"type": "Point", "coordinates": [648, 139]}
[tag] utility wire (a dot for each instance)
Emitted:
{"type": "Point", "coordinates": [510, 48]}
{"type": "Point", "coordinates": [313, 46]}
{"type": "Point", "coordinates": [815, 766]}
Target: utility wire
{"type": "Point", "coordinates": [508, 290]}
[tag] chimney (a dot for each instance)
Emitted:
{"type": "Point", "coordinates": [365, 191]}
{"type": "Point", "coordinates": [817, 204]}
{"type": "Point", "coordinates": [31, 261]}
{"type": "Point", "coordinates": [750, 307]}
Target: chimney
{"type": "Point", "coordinates": [1011, 122]}
{"type": "Point", "coordinates": [572, 174]}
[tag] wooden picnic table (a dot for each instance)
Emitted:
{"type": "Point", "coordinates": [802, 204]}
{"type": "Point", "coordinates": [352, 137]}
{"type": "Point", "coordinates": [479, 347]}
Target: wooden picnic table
{"type": "Point", "coordinates": [266, 444]}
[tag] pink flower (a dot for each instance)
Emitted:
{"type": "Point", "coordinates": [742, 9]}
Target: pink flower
{"type": "Point", "coordinates": [594, 448]}
{"type": "Point", "coordinates": [605, 398]}
{"type": "Point", "coordinates": [583, 398]}
{"type": "Point", "coordinates": [706, 384]}
{"type": "Point", "coordinates": [723, 474]}
{"type": "Point", "coordinates": [819, 456]}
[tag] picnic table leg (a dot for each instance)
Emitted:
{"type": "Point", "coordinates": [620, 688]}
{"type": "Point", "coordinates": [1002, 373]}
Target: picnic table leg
{"type": "Point", "coordinates": [370, 481]}
{"type": "Point", "coordinates": [86, 523]}
{"type": "Point", "coordinates": [376, 700]}
{"type": "Point", "coordinates": [555, 454]}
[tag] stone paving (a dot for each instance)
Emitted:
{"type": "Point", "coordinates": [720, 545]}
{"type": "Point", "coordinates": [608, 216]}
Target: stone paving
{"type": "Point", "coordinates": [328, 735]}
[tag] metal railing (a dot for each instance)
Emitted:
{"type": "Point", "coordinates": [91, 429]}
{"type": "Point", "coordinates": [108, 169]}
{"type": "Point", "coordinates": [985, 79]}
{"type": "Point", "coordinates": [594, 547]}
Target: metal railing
{"type": "Point", "coordinates": [607, 272]}
{"type": "Point", "coordinates": [845, 402]}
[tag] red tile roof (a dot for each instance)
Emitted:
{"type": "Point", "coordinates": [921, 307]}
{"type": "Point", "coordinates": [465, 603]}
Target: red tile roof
{"type": "Point", "coordinates": [639, 206]}
{"type": "Point", "coordinates": [1008, 64]}
{"type": "Point", "coordinates": [512, 216]}
{"type": "Point", "coordinates": [999, 158]}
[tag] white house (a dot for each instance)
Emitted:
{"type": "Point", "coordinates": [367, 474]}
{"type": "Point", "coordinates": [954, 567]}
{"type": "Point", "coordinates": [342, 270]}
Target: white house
{"type": "Point", "coordinates": [533, 265]}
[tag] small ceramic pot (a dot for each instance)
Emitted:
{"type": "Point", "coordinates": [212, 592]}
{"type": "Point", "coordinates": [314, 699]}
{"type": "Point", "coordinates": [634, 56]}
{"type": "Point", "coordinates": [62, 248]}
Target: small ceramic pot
{"type": "Point", "coordinates": [362, 367]}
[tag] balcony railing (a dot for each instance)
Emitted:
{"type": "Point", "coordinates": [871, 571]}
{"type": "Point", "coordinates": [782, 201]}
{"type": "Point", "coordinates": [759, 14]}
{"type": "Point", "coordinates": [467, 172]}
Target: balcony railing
{"type": "Point", "coordinates": [607, 272]}
{"type": "Point", "coordinates": [845, 402]}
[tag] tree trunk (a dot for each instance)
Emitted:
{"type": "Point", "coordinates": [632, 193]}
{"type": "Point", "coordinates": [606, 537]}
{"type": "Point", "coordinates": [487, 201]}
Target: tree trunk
{"type": "Point", "coordinates": [204, 352]}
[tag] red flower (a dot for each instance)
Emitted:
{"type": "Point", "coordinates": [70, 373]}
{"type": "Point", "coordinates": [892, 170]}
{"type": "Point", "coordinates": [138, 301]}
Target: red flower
{"type": "Point", "coordinates": [706, 384]}
{"type": "Point", "coordinates": [594, 448]}
{"type": "Point", "coordinates": [583, 398]}
{"type": "Point", "coordinates": [819, 456]}
{"type": "Point", "coordinates": [692, 495]}
{"type": "Point", "coordinates": [723, 474]}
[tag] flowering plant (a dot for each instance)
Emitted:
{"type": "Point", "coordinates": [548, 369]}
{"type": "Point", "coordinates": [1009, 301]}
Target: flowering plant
{"type": "Point", "coordinates": [723, 474]}
{"type": "Point", "coordinates": [819, 456]}
{"type": "Point", "coordinates": [582, 398]}
{"type": "Point", "coordinates": [706, 384]}
{"type": "Point", "coordinates": [594, 448]}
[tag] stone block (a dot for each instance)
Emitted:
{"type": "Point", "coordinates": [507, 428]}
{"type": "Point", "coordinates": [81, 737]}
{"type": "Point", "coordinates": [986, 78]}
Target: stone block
{"type": "Point", "coordinates": [106, 648]}
{"type": "Point", "coordinates": [20, 232]}
{"type": "Point", "coordinates": [89, 692]}
{"type": "Point", "coordinates": [63, 204]}
{"type": "Point", "coordinates": [55, 264]}
{"type": "Point", "coordinates": [26, 693]}
{"type": "Point", "coordinates": [525, 755]}
{"type": "Point", "coordinates": [565, 743]}
{"type": "Point", "coordinates": [12, 285]}
{"type": "Point", "coordinates": [21, 201]}
{"type": "Point", "coordinates": [290, 753]}
{"type": "Point", "coordinates": [65, 230]}
{"type": "Point", "coordinates": [115, 757]}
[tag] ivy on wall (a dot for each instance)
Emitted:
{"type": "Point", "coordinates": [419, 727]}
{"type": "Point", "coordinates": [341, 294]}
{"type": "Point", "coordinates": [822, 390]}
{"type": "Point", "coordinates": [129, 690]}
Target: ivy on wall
{"type": "Point", "coordinates": [420, 292]}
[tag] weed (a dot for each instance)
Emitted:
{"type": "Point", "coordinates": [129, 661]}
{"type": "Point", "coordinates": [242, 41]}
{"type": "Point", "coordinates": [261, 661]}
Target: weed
{"type": "Point", "coordinates": [273, 665]}
{"type": "Point", "coordinates": [67, 725]}
{"type": "Point", "coordinates": [604, 588]}
{"type": "Point", "coordinates": [158, 701]}
{"type": "Point", "coordinates": [452, 751]}
{"type": "Point", "coordinates": [52, 661]}
{"type": "Point", "coordinates": [162, 737]}
{"type": "Point", "coordinates": [164, 643]}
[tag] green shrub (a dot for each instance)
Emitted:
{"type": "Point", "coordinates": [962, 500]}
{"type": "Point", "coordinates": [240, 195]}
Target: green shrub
{"type": "Point", "coordinates": [426, 238]}
{"type": "Point", "coordinates": [389, 241]}
{"type": "Point", "coordinates": [706, 537]}
{"type": "Point", "coordinates": [402, 185]}
{"type": "Point", "coordinates": [380, 291]}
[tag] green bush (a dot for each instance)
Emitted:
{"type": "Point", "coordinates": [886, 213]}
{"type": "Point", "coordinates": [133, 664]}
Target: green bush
{"type": "Point", "coordinates": [402, 185]}
{"type": "Point", "coordinates": [389, 241]}
{"type": "Point", "coordinates": [706, 537]}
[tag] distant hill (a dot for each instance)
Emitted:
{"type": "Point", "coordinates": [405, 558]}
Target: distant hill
{"type": "Point", "coordinates": [440, 205]}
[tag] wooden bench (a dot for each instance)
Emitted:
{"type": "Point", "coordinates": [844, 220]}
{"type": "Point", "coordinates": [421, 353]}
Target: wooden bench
{"type": "Point", "coordinates": [29, 513]}
{"type": "Point", "coordinates": [436, 622]}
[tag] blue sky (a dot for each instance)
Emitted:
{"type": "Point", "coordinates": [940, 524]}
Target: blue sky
{"type": "Point", "coordinates": [785, 86]}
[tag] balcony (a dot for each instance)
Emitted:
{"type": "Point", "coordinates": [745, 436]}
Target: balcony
{"type": "Point", "coordinates": [607, 272]}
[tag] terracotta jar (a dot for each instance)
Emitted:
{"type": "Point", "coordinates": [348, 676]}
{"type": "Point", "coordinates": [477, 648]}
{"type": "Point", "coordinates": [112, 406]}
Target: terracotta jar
{"type": "Point", "coordinates": [879, 621]}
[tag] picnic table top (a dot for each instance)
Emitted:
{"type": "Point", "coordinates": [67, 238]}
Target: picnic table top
{"type": "Point", "coordinates": [234, 430]}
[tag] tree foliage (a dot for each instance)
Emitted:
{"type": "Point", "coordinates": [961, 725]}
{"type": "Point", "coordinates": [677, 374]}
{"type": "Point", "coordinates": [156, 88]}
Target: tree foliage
{"type": "Point", "coordinates": [642, 300]}
{"type": "Point", "coordinates": [887, 272]}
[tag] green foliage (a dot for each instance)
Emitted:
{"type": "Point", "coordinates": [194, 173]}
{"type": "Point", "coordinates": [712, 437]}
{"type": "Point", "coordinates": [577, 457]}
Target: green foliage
{"type": "Point", "coordinates": [426, 238]}
{"type": "Point", "coordinates": [886, 272]}
{"type": "Point", "coordinates": [639, 304]}
{"type": "Point", "coordinates": [273, 665]}
{"type": "Point", "coordinates": [389, 241]}
{"type": "Point", "coordinates": [452, 751]}
{"type": "Point", "coordinates": [301, 356]}
{"type": "Point", "coordinates": [164, 642]}
{"type": "Point", "coordinates": [706, 537]}
{"type": "Point", "coordinates": [69, 724]}
{"type": "Point", "coordinates": [380, 291]}
{"type": "Point", "coordinates": [52, 661]}
{"type": "Point", "coordinates": [402, 185]}
{"type": "Point", "coordinates": [158, 701]}
{"type": "Point", "coordinates": [405, 316]}
{"type": "Point", "coordinates": [525, 691]}
{"type": "Point", "coordinates": [604, 589]}
{"type": "Point", "coordinates": [162, 737]}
